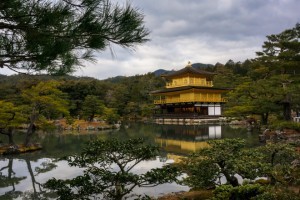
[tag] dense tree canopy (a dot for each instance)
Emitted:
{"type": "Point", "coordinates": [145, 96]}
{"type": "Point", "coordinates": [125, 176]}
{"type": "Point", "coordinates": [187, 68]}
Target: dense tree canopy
{"type": "Point", "coordinates": [122, 96]}
{"type": "Point", "coordinates": [271, 85]}
{"type": "Point", "coordinates": [43, 102]}
{"type": "Point", "coordinates": [11, 116]}
{"type": "Point", "coordinates": [206, 167]}
{"type": "Point", "coordinates": [281, 51]}
{"type": "Point", "coordinates": [281, 56]}
{"type": "Point", "coordinates": [54, 36]}
{"type": "Point", "coordinates": [92, 105]}
{"type": "Point", "coordinates": [260, 97]}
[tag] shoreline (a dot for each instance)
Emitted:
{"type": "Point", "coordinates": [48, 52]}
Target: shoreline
{"type": "Point", "coordinates": [19, 148]}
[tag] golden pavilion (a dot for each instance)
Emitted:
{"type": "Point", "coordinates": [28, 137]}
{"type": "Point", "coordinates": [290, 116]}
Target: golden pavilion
{"type": "Point", "coordinates": [189, 93]}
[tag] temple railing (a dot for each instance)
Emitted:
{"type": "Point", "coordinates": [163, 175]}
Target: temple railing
{"type": "Point", "coordinates": [184, 116]}
{"type": "Point", "coordinates": [203, 84]}
{"type": "Point", "coordinates": [187, 100]}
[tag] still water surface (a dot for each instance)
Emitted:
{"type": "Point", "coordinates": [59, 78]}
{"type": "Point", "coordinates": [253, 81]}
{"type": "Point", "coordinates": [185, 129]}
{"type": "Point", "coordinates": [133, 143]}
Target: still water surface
{"type": "Point", "coordinates": [21, 176]}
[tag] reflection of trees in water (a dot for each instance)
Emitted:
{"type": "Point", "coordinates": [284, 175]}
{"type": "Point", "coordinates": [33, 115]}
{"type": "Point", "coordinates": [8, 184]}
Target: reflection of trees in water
{"type": "Point", "coordinates": [11, 180]}
{"type": "Point", "coordinates": [59, 145]}
{"type": "Point", "coordinates": [33, 181]}
{"type": "Point", "coordinates": [55, 145]}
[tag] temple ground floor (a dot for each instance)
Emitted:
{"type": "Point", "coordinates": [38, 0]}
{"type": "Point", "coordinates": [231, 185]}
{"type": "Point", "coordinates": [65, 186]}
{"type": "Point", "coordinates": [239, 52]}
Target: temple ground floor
{"type": "Point", "coordinates": [188, 113]}
{"type": "Point", "coordinates": [189, 109]}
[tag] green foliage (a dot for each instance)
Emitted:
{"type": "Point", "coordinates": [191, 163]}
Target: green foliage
{"type": "Point", "coordinates": [277, 194]}
{"type": "Point", "coordinates": [92, 106]}
{"type": "Point", "coordinates": [279, 125]}
{"type": "Point", "coordinates": [10, 115]}
{"type": "Point", "coordinates": [79, 89]}
{"type": "Point", "coordinates": [226, 158]}
{"type": "Point", "coordinates": [271, 83]}
{"type": "Point", "coordinates": [223, 192]}
{"type": "Point", "coordinates": [128, 96]}
{"type": "Point", "coordinates": [44, 100]}
{"type": "Point", "coordinates": [243, 192]}
{"type": "Point", "coordinates": [277, 163]}
{"type": "Point", "coordinates": [205, 167]}
{"type": "Point", "coordinates": [231, 74]}
{"type": "Point", "coordinates": [147, 110]}
{"type": "Point", "coordinates": [44, 124]}
{"type": "Point", "coordinates": [54, 36]}
{"type": "Point", "coordinates": [111, 116]}
{"type": "Point", "coordinates": [281, 51]}
{"type": "Point", "coordinates": [261, 97]}
{"type": "Point", "coordinates": [108, 165]}
{"type": "Point", "coordinates": [42, 103]}
{"type": "Point", "coordinates": [272, 161]}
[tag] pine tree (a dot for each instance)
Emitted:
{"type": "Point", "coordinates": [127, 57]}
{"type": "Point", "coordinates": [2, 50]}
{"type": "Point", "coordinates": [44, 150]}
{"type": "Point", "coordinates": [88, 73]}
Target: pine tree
{"type": "Point", "coordinates": [56, 36]}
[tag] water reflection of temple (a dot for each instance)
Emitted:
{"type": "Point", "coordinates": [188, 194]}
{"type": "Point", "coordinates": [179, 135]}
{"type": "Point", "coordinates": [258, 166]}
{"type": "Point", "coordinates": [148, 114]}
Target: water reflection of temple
{"type": "Point", "coordinates": [181, 140]}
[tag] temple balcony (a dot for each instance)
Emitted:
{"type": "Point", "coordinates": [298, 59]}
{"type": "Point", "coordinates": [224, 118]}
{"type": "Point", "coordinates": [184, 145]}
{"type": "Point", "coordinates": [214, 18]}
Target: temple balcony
{"type": "Point", "coordinates": [196, 83]}
{"type": "Point", "coordinates": [188, 100]}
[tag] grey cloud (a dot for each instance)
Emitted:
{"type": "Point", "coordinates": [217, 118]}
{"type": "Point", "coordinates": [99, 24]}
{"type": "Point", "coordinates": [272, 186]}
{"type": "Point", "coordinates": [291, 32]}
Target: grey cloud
{"type": "Point", "coordinates": [222, 19]}
{"type": "Point", "coordinates": [207, 31]}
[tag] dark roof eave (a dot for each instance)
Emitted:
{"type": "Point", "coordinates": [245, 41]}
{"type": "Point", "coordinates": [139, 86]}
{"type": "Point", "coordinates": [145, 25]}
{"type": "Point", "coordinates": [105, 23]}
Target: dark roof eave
{"type": "Point", "coordinates": [188, 70]}
{"type": "Point", "coordinates": [186, 88]}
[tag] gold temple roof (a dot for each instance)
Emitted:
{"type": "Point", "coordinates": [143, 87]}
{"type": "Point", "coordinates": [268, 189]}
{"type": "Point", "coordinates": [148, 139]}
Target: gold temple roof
{"type": "Point", "coordinates": [188, 70]}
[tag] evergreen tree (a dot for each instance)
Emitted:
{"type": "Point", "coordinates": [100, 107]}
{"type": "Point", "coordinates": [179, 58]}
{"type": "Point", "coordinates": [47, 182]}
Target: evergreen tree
{"type": "Point", "coordinates": [281, 54]}
{"type": "Point", "coordinates": [54, 36]}
{"type": "Point", "coordinates": [92, 105]}
{"type": "Point", "coordinates": [272, 85]}
{"type": "Point", "coordinates": [10, 118]}
{"type": "Point", "coordinates": [42, 103]}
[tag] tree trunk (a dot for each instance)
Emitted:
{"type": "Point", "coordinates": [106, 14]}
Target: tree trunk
{"type": "Point", "coordinates": [91, 117]}
{"type": "Point", "coordinates": [287, 111]}
{"type": "Point", "coordinates": [10, 168]}
{"type": "Point", "coordinates": [9, 134]}
{"type": "Point", "coordinates": [264, 118]}
{"type": "Point", "coordinates": [10, 137]}
{"type": "Point", "coordinates": [11, 172]}
{"type": "Point", "coordinates": [32, 177]}
{"type": "Point", "coordinates": [30, 131]}
{"type": "Point", "coordinates": [232, 180]}
{"type": "Point", "coordinates": [119, 188]}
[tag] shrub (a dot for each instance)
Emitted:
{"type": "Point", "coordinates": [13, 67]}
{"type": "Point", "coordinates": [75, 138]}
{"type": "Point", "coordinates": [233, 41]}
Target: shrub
{"type": "Point", "coordinates": [243, 192]}
{"type": "Point", "coordinates": [286, 124]}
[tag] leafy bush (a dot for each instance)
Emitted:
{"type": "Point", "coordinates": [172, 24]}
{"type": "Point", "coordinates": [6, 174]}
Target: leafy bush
{"type": "Point", "coordinates": [277, 194]}
{"type": "Point", "coordinates": [285, 124]}
{"type": "Point", "coordinates": [243, 192]}
{"type": "Point", "coordinates": [223, 192]}
{"type": "Point", "coordinates": [229, 157]}
{"type": "Point", "coordinates": [208, 165]}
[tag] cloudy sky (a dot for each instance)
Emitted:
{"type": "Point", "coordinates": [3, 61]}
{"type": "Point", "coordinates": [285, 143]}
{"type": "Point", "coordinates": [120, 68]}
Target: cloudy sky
{"type": "Point", "coordinates": [205, 31]}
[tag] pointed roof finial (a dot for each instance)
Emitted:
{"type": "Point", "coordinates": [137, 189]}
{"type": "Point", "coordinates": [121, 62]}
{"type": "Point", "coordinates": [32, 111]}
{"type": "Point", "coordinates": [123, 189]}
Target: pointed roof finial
{"type": "Point", "coordinates": [189, 64]}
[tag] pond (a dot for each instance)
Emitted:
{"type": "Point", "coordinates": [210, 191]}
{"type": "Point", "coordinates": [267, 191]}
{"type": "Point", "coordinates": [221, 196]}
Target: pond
{"type": "Point", "coordinates": [22, 176]}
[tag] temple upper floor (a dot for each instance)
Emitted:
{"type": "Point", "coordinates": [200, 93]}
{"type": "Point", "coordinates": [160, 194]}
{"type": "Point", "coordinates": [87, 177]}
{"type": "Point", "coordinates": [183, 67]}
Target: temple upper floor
{"type": "Point", "coordinates": [189, 76]}
{"type": "Point", "coordinates": [188, 81]}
